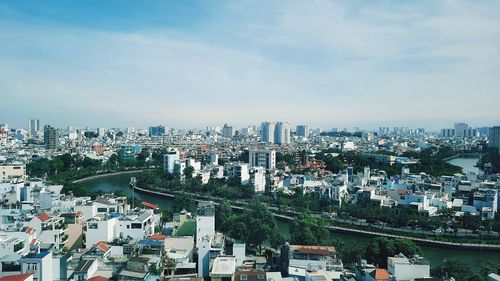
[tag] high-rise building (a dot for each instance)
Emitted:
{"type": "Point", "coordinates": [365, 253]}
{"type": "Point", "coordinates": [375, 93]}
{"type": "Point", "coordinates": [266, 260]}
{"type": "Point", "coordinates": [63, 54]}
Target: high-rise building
{"type": "Point", "coordinates": [101, 132]}
{"type": "Point", "coordinates": [267, 131]}
{"type": "Point", "coordinates": [447, 133]}
{"type": "Point", "coordinates": [460, 129]}
{"type": "Point", "coordinates": [156, 131]}
{"type": "Point", "coordinates": [227, 131]}
{"type": "Point", "coordinates": [50, 137]}
{"type": "Point", "coordinates": [33, 127]}
{"type": "Point", "coordinates": [494, 137]}
{"type": "Point", "coordinates": [262, 158]}
{"type": "Point", "coordinates": [302, 131]}
{"type": "Point", "coordinates": [282, 133]}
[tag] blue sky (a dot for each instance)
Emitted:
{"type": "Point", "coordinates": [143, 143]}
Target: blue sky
{"type": "Point", "coordinates": [197, 63]}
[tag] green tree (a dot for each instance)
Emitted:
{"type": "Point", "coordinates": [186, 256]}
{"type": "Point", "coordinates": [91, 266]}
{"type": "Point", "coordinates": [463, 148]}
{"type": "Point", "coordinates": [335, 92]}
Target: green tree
{"type": "Point", "coordinates": [308, 230]}
{"type": "Point", "coordinates": [223, 212]}
{"type": "Point", "coordinates": [184, 201]}
{"type": "Point", "coordinates": [188, 172]}
{"type": "Point", "coordinates": [381, 248]}
{"type": "Point", "coordinates": [260, 224]}
{"type": "Point", "coordinates": [453, 268]}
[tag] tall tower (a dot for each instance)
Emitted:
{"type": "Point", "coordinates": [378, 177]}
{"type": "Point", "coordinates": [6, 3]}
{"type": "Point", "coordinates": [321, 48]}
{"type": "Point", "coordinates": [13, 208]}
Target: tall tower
{"type": "Point", "coordinates": [50, 137]}
{"type": "Point", "coordinates": [267, 131]}
{"type": "Point", "coordinates": [33, 127]}
{"type": "Point", "coordinates": [282, 133]}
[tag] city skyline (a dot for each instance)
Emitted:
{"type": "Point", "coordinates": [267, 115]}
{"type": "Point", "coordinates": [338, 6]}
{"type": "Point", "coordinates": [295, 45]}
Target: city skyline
{"type": "Point", "coordinates": [192, 64]}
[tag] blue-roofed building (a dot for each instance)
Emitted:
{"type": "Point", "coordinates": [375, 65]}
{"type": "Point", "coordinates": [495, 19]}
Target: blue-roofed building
{"type": "Point", "coordinates": [39, 263]}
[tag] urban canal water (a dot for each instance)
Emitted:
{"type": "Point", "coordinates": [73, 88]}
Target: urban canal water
{"type": "Point", "coordinates": [435, 255]}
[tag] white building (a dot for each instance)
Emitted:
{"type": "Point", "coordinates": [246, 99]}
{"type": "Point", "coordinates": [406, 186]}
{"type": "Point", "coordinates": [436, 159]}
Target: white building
{"type": "Point", "coordinates": [39, 263]}
{"type": "Point", "coordinates": [170, 159]}
{"type": "Point", "coordinates": [33, 127]}
{"type": "Point", "coordinates": [262, 158]}
{"type": "Point", "coordinates": [9, 171]}
{"type": "Point", "coordinates": [105, 228]}
{"type": "Point", "coordinates": [205, 220]}
{"type": "Point", "coordinates": [282, 133]}
{"type": "Point", "coordinates": [258, 179]}
{"type": "Point", "coordinates": [239, 170]}
{"type": "Point", "coordinates": [214, 158]}
{"type": "Point", "coordinates": [402, 268]}
{"type": "Point", "coordinates": [267, 131]}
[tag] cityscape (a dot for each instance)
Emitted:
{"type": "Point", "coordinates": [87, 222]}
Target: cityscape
{"type": "Point", "coordinates": [249, 141]}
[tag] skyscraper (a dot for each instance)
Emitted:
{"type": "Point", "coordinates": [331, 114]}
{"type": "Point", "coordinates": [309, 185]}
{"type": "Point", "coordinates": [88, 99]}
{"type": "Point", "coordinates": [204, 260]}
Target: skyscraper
{"type": "Point", "coordinates": [33, 127]}
{"type": "Point", "coordinates": [494, 137]}
{"type": "Point", "coordinates": [227, 131]}
{"type": "Point", "coordinates": [267, 131]}
{"type": "Point", "coordinates": [156, 131]}
{"type": "Point", "coordinates": [303, 131]}
{"type": "Point", "coordinates": [50, 137]}
{"type": "Point", "coordinates": [282, 133]}
{"type": "Point", "coordinates": [460, 129]}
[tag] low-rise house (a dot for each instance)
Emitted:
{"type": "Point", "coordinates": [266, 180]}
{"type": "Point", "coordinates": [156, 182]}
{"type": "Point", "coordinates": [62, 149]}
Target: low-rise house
{"type": "Point", "coordinates": [402, 268]}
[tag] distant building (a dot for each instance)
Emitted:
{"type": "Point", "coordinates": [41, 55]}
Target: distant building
{"type": "Point", "coordinates": [262, 158]}
{"type": "Point", "coordinates": [33, 127]}
{"type": "Point", "coordinates": [282, 133]}
{"type": "Point", "coordinates": [227, 131]}
{"type": "Point", "coordinates": [447, 133]}
{"type": "Point", "coordinates": [494, 137]}
{"type": "Point", "coordinates": [50, 137]}
{"type": "Point", "coordinates": [267, 132]}
{"type": "Point", "coordinates": [156, 131]}
{"type": "Point", "coordinates": [302, 131]}
{"type": "Point", "coordinates": [101, 132]}
{"type": "Point", "coordinates": [460, 129]}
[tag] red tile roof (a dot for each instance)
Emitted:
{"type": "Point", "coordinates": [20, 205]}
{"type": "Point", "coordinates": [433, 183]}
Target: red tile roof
{"type": "Point", "coordinates": [15, 277]}
{"type": "Point", "coordinates": [98, 278]}
{"type": "Point", "coordinates": [33, 241]}
{"type": "Point", "coordinates": [29, 230]}
{"type": "Point", "coordinates": [380, 274]}
{"type": "Point", "coordinates": [158, 237]}
{"type": "Point", "coordinates": [102, 245]}
{"type": "Point", "coordinates": [149, 205]}
{"type": "Point", "coordinates": [43, 217]}
{"type": "Point", "coordinates": [318, 250]}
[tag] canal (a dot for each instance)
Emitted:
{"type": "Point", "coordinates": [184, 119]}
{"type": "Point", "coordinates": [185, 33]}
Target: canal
{"type": "Point", "coordinates": [435, 255]}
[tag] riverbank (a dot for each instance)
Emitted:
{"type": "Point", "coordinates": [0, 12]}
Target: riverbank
{"type": "Point", "coordinates": [107, 175]}
{"type": "Point", "coordinates": [354, 231]}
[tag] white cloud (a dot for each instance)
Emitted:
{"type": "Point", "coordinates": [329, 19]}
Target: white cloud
{"type": "Point", "coordinates": [322, 62]}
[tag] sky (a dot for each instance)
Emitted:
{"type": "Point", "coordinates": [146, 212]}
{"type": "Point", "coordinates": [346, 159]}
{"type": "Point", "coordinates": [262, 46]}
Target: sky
{"type": "Point", "coordinates": [191, 64]}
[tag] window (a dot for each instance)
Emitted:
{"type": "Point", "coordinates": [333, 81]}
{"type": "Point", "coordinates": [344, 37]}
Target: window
{"type": "Point", "coordinates": [128, 226]}
{"type": "Point", "coordinates": [112, 210]}
{"type": "Point", "coordinates": [102, 210]}
{"type": "Point", "coordinates": [243, 277]}
{"type": "Point", "coordinates": [136, 225]}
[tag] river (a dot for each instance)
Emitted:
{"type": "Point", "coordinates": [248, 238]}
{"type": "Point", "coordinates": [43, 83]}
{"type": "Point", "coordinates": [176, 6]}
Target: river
{"type": "Point", "coordinates": [435, 255]}
{"type": "Point", "coordinates": [467, 164]}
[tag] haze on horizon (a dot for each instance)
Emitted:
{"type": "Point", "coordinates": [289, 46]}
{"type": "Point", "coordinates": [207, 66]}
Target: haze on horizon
{"type": "Point", "coordinates": [191, 64]}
